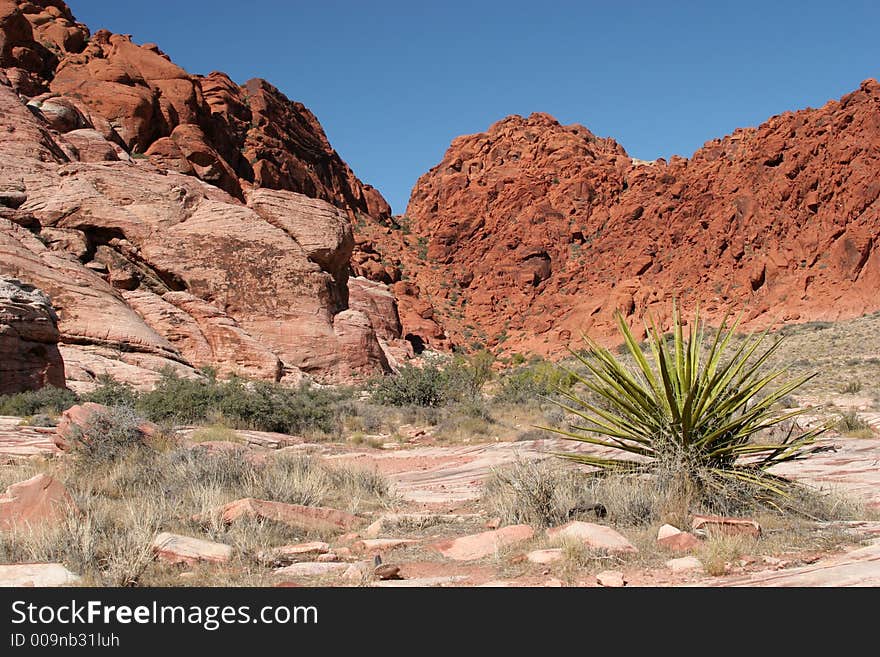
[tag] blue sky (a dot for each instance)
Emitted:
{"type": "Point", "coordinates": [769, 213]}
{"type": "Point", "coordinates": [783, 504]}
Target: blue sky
{"type": "Point", "coordinates": [394, 82]}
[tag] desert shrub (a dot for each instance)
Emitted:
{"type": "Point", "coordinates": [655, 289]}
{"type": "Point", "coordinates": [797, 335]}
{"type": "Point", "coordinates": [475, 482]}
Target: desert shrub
{"type": "Point", "coordinates": [107, 543]}
{"type": "Point", "coordinates": [852, 424]}
{"type": "Point", "coordinates": [108, 434]}
{"type": "Point", "coordinates": [48, 400]}
{"type": "Point", "coordinates": [851, 387]}
{"type": "Point", "coordinates": [436, 382]}
{"type": "Point", "coordinates": [111, 392]}
{"type": "Point", "coordinates": [413, 386]}
{"type": "Point", "coordinates": [689, 414]}
{"type": "Point", "coordinates": [530, 382]}
{"type": "Point", "coordinates": [243, 404]}
{"type": "Point", "coordinates": [176, 399]}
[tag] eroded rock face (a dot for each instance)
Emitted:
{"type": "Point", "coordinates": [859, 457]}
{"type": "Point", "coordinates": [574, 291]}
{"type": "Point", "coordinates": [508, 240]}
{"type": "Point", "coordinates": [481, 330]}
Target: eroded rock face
{"type": "Point", "coordinates": [29, 356]}
{"type": "Point", "coordinates": [175, 221]}
{"type": "Point", "coordinates": [534, 231]}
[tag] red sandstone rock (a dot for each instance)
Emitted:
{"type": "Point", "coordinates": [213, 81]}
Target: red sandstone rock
{"type": "Point", "coordinates": [29, 356]}
{"type": "Point", "coordinates": [728, 526]}
{"type": "Point", "coordinates": [597, 537]}
{"type": "Point", "coordinates": [536, 231]}
{"type": "Point", "coordinates": [315, 518]}
{"type": "Point", "coordinates": [477, 546]}
{"type": "Point", "coordinates": [175, 548]}
{"type": "Point", "coordinates": [676, 540]}
{"type": "Point", "coordinates": [150, 229]}
{"type": "Point", "coordinates": [39, 500]}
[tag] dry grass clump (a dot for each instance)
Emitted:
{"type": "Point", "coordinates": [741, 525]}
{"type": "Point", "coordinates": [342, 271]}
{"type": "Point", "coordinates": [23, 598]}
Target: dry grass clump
{"type": "Point", "coordinates": [106, 542]}
{"type": "Point", "coordinates": [541, 493]}
{"type": "Point", "coordinates": [851, 424]}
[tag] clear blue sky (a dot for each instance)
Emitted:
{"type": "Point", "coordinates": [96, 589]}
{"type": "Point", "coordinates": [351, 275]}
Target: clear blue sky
{"type": "Point", "coordinates": [393, 82]}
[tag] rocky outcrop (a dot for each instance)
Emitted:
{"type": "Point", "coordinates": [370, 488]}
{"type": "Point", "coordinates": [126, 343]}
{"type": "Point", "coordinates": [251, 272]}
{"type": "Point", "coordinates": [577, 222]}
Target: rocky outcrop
{"type": "Point", "coordinates": [29, 356]}
{"type": "Point", "coordinates": [175, 221]}
{"type": "Point", "coordinates": [533, 231]}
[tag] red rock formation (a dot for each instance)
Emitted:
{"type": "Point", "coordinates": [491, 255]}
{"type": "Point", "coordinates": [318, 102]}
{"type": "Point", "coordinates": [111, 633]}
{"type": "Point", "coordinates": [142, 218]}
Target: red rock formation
{"type": "Point", "coordinates": [29, 356]}
{"type": "Point", "coordinates": [29, 504]}
{"type": "Point", "coordinates": [531, 232]}
{"type": "Point", "coordinates": [105, 149]}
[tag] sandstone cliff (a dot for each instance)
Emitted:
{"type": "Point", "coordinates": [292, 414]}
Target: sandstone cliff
{"type": "Point", "coordinates": [175, 220]}
{"type": "Point", "coordinates": [533, 231]}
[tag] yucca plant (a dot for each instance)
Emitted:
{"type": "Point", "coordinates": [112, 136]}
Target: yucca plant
{"type": "Point", "coordinates": [689, 411]}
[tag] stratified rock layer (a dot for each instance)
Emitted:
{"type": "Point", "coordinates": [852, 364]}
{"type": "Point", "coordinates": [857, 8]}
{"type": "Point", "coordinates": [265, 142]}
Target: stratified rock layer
{"type": "Point", "coordinates": [174, 220]}
{"type": "Point", "coordinates": [29, 356]}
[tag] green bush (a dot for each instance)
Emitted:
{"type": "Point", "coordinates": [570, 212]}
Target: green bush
{"type": "Point", "coordinates": [531, 382]}
{"type": "Point", "coordinates": [48, 401]}
{"type": "Point", "coordinates": [255, 405]}
{"type": "Point", "coordinates": [434, 383]}
{"type": "Point", "coordinates": [111, 392]}
{"type": "Point", "coordinates": [413, 386]}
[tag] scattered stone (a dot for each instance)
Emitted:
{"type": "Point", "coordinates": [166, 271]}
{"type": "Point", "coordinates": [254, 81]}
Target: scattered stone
{"type": "Point", "coordinates": [310, 569]}
{"type": "Point", "coordinates": [33, 502]}
{"type": "Point", "coordinates": [554, 582]}
{"type": "Point", "coordinates": [386, 571]}
{"type": "Point", "coordinates": [360, 571]}
{"type": "Point", "coordinates": [285, 554]}
{"type": "Point", "coordinates": [175, 548]}
{"type": "Point", "coordinates": [551, 555]}
{"type": "Point", "coordinates": [727, 526]}
{"type": "Point", "coordinates": [597, 537]}
{"type": "Point", "coordinates": [424, 581]}
{"type": "Point", "coordinates": [377, 545]}
{"type": "Point", "coordinates": [676, 540]}
{"type": "Point", "coordinates": [36, 574]}
{"type": "Point", "coordinates": [477, 546]}
{"type": "Point", "coordinates": [684, 564]}
{"type": "Point", "coordinates": [611, 579]}
{"type": "Point", "coordinates": [330, 557]}
{"type": "Point", "coordinates": [666, 531]}
{"type": "Point", "coordinates": [315, 518]}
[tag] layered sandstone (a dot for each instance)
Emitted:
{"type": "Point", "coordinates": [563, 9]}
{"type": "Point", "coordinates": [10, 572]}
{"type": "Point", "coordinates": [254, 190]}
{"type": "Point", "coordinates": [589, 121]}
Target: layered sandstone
{"type": "Point", "coordinates": [29, 356]}
{"type": "Point", "coordinates": [176, 221]}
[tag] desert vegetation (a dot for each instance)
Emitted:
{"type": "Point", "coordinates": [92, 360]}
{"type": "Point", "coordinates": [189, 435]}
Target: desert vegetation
{"type": "Point", "coordinates": [692, 422]}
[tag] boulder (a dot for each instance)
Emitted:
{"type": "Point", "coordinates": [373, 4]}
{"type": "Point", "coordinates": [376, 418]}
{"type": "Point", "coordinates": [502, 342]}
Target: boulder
{"type": "Point", "coordinates": [314, 518]}
{"type": "Point", "coordinates": [684, 564]}
{"type": "Point", "coordinates": [728, 526]}
{"type": "Point", "coordinates": [593, 536]}
{"type": "Point", "coordinates": [611, 579]}
{"type": "Point", "coordinates": [177, 549]}
{"type": "Point", "coordinates": [36, 574]}
{"type": "Point", "coordinates": [544, 557]}
{"type": "Point", "coordinates": [40, 500]}
{"type": "Point", "coordinates": [484, 544]}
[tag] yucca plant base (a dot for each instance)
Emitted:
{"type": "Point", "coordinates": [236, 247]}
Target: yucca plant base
{"type": "Point", "coordinates": [687, 415]}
